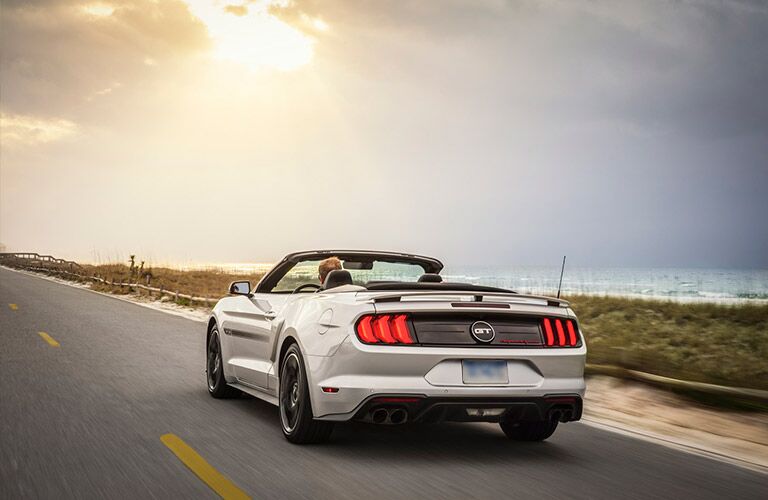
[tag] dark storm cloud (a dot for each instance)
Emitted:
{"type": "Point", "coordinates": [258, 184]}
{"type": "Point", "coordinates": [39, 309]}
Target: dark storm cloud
{"type": "Point", "coordinates": [646, 123]}
{"type": "Point", "coordinates": [694, 67]}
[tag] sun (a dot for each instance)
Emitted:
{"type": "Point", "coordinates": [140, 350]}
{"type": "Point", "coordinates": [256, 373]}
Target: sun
{"type": "Point", "coordinates": [249, 35]}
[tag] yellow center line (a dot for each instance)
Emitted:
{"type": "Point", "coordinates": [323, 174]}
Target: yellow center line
{"type": "Point", "coordinates": [49, 339]}
{"type": "Point", "coordinates": [202, 469]}
{"type": "Point", "coordinates": [13, 307]}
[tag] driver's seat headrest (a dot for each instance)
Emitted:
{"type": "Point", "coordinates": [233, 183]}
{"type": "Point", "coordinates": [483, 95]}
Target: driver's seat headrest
{"type": "Point", "coordinates": [430, 278]}
{"type": "Point", "coordinates": [337, 277]}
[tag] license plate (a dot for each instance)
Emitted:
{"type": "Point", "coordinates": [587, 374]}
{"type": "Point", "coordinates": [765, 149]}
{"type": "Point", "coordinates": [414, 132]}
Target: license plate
{"type": "Point", "coordinates": [484, 372]}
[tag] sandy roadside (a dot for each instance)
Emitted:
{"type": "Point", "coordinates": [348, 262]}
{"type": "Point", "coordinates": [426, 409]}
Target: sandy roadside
{"type": "Point", "coordinates": [677, 421]}
{"type": "Point", "coordinates": [613, 404]}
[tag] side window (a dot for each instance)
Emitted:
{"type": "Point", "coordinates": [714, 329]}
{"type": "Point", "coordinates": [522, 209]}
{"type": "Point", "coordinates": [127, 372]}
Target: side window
{"type": "Point", "coordinates": [301, 274]}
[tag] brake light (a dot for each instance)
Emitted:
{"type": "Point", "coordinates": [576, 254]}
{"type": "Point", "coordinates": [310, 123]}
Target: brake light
{"type": "Point", "coordinates": [571, 332]}
{"type": "Point", "coordinates": [385, 329]}
{"type": "Point", "coordinates": [365, 331]}
{"type": "Point", "coordinates": [550, 340]}
{"type": "Point", "coordinates": [400, 330]}
{"type": "Point", "coordinates": [562, 335]}
{"type": "Point", "coordinates": [560, 332]}
{"type": "Point", "coordinates": [381, 329]}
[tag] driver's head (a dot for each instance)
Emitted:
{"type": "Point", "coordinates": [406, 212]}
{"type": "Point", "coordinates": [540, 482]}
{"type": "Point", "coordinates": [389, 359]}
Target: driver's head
{"type": "Point", "coordinates": [326, 266]}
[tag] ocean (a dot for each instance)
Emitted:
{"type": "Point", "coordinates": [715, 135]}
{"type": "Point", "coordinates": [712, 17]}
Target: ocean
{"type": "Point", "coordinates": [678, 284]}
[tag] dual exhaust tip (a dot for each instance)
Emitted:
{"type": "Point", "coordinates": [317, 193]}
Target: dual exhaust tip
{"type": "Point", "coordinates": [389, 416]}
{"type": "Point", "coordinates": [561, 415]}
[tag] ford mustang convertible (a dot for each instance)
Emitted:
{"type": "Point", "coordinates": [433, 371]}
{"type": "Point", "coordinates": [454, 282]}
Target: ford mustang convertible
{"type": "Point", "coordinates": [385, 340]}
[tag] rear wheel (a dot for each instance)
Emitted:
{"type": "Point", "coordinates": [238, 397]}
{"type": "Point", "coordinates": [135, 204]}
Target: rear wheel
{"type": "Point", "coordinates": [214, 369]}
{"type": "Point", "coordinates": [528, 431]}
{"type": "Point", "coordinates": [295, 407]}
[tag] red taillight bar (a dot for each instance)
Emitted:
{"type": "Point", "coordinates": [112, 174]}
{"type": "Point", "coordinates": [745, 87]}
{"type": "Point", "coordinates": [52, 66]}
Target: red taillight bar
{"type": "Point", "coordinates": [365, 331]}
{"type": "Point", "coordinates": [550, 339]}
{"type": "Point", "coordinates": [572, 337]}
{"type": "Point", "coordinates": [381, 329]}
{"type": "Point", "coordinates": [390, 329]}
{"type": "Point", "coordinates": [400, 330]}
{"type": "Point", "coordinates": [560, 332]}
{"type": "Point", "coordinates": [559, 336]}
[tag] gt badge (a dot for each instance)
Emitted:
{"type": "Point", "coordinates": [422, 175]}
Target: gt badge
{"type": "Point", "coordinates": [482, 331]}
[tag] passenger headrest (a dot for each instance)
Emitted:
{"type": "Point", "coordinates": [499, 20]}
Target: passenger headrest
{"type": "Point", "coordinates": [337, 277]}
{"type": "Point", "coordinates": [430, 278]}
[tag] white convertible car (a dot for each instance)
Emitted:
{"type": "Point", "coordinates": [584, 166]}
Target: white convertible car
{"type": "Point", "coordinates": [385, 340]}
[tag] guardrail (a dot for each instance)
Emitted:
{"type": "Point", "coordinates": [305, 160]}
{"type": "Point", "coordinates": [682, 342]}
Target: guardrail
{"type": "Point", "coordinates": [50, 265]}
{"type": "Point", "coordinates": [740, 393]}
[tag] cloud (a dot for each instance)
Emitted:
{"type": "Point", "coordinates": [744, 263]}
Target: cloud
{"type": "Point", "coordinates": [20, 130]}
{"type": "Point", "coordinates": [660, 66]}
{"type": "Point", "coordinates": [565, 122]}
{"type": "Point", "coordinates": [237, 10]}
{"type": "Point", "coordinates": [56, 54]}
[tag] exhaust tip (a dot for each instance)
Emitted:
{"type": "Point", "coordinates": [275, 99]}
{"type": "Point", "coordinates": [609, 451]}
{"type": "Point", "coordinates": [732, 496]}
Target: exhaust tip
{"type": "Point", "coordinates": [379, 415]}
{"type": "Point", "coordinates": [398, 416]}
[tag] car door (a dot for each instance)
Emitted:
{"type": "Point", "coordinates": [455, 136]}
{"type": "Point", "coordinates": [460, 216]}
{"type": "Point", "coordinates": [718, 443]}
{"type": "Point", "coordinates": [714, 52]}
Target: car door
{"type": "Point", "coordinates": [249, 324]}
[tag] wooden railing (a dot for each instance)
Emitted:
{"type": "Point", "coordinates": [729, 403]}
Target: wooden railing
{"type": "Point", "coordinates": [50, 265]}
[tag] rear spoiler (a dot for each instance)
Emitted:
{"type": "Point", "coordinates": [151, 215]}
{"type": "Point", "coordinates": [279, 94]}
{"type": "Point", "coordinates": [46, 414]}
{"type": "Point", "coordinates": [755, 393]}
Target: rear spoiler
{"type": "Point", "coordinates": [477, 297]}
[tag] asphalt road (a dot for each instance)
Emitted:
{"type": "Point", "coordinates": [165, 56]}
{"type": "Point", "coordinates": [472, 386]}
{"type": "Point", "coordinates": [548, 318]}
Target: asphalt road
{"type": "Point", "coordinates": [84, 420]}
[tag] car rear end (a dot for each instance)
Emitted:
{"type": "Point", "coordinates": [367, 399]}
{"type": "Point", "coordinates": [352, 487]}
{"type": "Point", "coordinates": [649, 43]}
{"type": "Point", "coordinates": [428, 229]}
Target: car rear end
{"type": "Point", "coordinates": [443, 356]}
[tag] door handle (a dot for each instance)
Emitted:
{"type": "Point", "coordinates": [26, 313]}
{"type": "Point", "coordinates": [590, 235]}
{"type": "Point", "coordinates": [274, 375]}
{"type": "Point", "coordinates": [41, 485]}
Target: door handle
{"type": "Point", "coordinates": [270, 315]}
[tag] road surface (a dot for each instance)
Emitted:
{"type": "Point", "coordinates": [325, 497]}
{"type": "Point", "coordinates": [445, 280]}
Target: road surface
{"type": "Point", "coordinates": [83, 419]}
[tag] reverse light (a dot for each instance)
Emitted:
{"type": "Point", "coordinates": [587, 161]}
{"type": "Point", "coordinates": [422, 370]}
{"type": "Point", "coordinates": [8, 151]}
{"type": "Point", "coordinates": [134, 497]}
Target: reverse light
{"type": "Point", "coordinates": [393, 329]}
{"type": "Point", "coordinates": [562, 334]}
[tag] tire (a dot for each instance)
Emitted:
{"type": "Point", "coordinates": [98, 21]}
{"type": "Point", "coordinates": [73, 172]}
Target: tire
{"type": "Point", "coordinates": [528, 431]}
{"type": "Point", "coordinates": [214, 369]}
{"type": "Point", "coordinates": [299, 427]}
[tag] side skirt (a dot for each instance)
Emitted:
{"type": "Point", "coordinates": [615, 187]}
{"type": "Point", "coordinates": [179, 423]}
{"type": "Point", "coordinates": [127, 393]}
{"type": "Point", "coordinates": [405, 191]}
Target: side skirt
{"type": "Point", "coordinates": [257, 393]}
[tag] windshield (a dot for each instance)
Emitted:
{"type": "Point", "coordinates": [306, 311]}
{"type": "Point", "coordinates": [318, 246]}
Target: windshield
{"type": "Point", "coordinates": [307, 272]}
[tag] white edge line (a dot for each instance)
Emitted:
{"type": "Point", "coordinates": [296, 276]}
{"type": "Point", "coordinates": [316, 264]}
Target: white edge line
{"type": "Point", "coordinates": [668, 442]}
{"type": "Point", "coordinates": [180, 314]}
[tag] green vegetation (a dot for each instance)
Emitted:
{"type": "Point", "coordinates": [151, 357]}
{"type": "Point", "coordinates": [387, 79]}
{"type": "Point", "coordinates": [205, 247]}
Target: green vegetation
{"type": "Point", "coordinates": [211, 283]}
{"type": "Point", "coordinates": [717, 344]}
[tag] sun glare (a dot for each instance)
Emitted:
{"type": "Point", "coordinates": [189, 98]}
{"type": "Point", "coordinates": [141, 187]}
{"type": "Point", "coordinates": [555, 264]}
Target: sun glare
{"type": "Point", "coordinates": [253, 37]}
{"type": "Point", "coordinates": [98, 9]}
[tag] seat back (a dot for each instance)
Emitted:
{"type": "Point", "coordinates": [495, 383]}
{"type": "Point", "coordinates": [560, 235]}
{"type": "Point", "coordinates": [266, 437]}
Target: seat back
{"type": "Point", "coordinates": [430, 278]}
{"type": "Point", "coordinates": [337, 277]}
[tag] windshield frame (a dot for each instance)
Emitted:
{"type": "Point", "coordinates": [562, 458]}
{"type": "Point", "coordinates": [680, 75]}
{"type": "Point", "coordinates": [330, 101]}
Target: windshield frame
{"type": "Point", "coordinates": [271, 279]}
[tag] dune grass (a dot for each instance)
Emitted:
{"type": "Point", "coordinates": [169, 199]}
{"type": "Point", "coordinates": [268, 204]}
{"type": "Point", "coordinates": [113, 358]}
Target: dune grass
{"type": "Point", "coordinates": [712, 343]}
{"type": "Point", "coordinates": [211, 283]}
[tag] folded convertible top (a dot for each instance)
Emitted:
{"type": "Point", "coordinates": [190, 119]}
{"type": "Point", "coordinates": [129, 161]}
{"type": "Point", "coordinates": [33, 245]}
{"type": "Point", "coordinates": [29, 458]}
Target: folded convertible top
{"type": "Point", "coordinates": [443, 287]}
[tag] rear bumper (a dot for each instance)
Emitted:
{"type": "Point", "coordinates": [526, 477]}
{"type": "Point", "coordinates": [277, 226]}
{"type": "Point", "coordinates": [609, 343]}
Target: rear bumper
{"type": "Point", "coordinates": [361, 373]}
{"type": "Point", "coordinates": [560, 407]}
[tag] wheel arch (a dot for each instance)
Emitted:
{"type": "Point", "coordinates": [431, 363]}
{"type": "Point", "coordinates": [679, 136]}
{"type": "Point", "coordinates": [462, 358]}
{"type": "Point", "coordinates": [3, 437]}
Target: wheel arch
{"type": "Point", "coordinates": [211, 324]}
{"type": "Point", "coordinates": [225, 348]}
{"type": "Point", "coordinates": [287, 341]}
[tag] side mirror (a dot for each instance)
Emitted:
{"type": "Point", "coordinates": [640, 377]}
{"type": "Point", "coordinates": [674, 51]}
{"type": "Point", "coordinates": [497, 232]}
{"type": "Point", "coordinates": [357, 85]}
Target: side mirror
{"type": "Point", "coordinates": [240, 288]}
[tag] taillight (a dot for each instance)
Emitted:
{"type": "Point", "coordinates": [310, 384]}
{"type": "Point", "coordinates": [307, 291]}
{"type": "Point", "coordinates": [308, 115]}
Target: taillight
{"type": "Point", "coordinates": [562, 334]}
{"type": "Point", "coordinates": [390, 329]}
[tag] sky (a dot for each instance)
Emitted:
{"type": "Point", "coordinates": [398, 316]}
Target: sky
{"type": "Point", "coordinates": [620, 133]}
